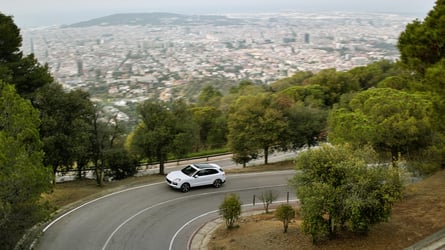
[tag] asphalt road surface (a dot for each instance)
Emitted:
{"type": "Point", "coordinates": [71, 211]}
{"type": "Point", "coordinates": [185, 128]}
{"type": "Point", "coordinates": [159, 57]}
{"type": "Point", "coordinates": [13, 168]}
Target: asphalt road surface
{"type": "Point", "coordinates": [154, 216]}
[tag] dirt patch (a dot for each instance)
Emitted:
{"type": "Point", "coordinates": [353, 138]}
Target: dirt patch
{"type": "Point", "coordinates": [419, 214]}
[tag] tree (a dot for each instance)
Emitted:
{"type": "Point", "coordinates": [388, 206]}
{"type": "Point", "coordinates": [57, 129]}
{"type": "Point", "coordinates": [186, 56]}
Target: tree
{"type": "Point", "coordinates": [185, 130]}
{"type": "Point", "coordinates": [66, 128]}
{"type": "Point", "coordinates": [285, 213]}
{"type": "Point", "coordinates": [422, 44]}
{"type": "Point", "coordinates": [298, 79]}
{"type": "Point", "coordinates": [343, 189]}
{"type": "Point", "coordinates": [120, 163]}
{"type": "Point", "coordinates": [393, 122]}
{"type": "Point", "coordinates": [209, 96]}
{"type": "Point", "coordinates": [335, 84]}
{"type": "Point", "coordinates": [255, 124]}
{"type": "Point", "coordinates": [11, 40]}
{"type": "Point", "coordinates": [306, 126]}
{"type": "Point", "coordinates": [267, 198]}
{"type": "Point", "coordinates": [230, 209]}
{"type": "Point", "coordinates": [23, 176]}
{"type": "Point", "coordinates": [103, 136]}
{"type": "Point", "coordinates": [370, 75]}
{"type": "Point", "coordinates": [212, 126]}
{"type": "Point", "coordinates": [24, 72]}
{"type": "Point", "coordinates": [163, 129]}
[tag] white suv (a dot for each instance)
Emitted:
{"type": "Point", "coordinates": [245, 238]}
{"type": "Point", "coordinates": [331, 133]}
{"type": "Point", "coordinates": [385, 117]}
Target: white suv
{"type": "Point", "coordinates": [195, 175]}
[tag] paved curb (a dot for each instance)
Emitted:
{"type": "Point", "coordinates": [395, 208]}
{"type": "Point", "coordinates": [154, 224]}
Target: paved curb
{"type": "Point", "coordinates": [435, 241]}
{"type": "Point", "coordinates": [201, 238]}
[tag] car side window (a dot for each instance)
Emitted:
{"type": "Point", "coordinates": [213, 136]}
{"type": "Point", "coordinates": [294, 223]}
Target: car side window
{"type": "Point", "coordinates": [201, 173]}
{"type": "Point", "coordinates": [211, 171]}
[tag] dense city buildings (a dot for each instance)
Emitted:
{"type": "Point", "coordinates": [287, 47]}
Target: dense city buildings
{"type": "Point", "coordinates": [132, 61]}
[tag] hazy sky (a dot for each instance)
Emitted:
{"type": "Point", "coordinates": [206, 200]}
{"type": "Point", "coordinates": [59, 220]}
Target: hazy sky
{"type": "Point", "coordinates": [49, 12]}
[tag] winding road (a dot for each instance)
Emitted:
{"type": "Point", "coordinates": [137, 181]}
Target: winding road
{"type": "Point", "coordinates": [154, 216]}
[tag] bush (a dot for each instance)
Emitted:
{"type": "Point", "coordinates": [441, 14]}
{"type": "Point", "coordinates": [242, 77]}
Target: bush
{"type": "Point", "coordinates": [267, 198]}
{"type": "Point", "coordinates": [285, 213]}
{"type": "Point", "coordinates": [121, 164]}
{"type": "Point", "coordinates": [338, 191]}
{"type": "Point", "coordinates": [230, 209]}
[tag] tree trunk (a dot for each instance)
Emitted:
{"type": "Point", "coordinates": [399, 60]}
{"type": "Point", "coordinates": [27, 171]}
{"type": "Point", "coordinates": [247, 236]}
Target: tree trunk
{"type": "Point", "coordinates": [99, 174]}
{"type": "Point", "coordinates": [266, 155]}
{"type": "Point", "coordinates": [394, 157]}
{"type": "Point", "coordinates": [286, 225]}
{"type": "Point", "coordinates": [79, 172]}
{"type": "Point", "coordinates": [161, 164]}
{"type": "Point", "coordinates": [54, 176]}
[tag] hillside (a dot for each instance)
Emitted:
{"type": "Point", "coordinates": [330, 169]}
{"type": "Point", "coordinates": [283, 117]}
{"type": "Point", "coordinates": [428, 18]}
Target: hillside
{"type": "Point", "coordinates": [157, 19]}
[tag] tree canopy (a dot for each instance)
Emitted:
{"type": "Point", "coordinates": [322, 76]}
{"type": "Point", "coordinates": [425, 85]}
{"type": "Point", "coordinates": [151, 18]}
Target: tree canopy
{"type": "Point", "coordinates": [25, 73]}
{"type": "Point", "coordinates": [392, 121]}
{"type": "Point", "coordinates": [23, 176]}
{"type": "Point", "coordinates": [338, 189]}
{"type": "Point", "coordinates": [255, 125]}
{"type": "Point", "coordinates": [422, 44]}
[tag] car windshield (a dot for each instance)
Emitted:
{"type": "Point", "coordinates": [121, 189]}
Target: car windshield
{"type": "Point", "coordinates": [189, 170]}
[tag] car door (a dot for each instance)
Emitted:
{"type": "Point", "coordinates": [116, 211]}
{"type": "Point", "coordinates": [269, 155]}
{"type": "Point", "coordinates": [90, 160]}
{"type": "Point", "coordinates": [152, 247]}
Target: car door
{"type": "Point", "coordinates": [204, 177]}
{"type": "Point", "coordinates": [199, 178]}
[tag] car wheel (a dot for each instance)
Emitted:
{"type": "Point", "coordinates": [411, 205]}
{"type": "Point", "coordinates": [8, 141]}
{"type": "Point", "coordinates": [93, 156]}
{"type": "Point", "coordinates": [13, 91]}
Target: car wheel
{"type": "Point", "coordinates": [185, 187]}
{"type": "Point", "coordinates": [217, 183]}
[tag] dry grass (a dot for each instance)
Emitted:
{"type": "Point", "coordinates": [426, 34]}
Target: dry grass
{"type": "Point", "coordinates": [71, 193]}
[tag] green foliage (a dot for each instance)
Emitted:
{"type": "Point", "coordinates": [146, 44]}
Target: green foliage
{"type": "Point", "coordinates": [335, 84]}
{"type": "Point", "coordinates": [306, 126]}
{"type": "Point", "coordinates": [10, 40]}
{"type": "Point", "coordinates": [267, 198]}
{"type": "Point", "coordinates": [421, 45]}
{"type": "Point", "coordinates": [154, 135]}
{"type": "Point", "coordinates": [255, 125]}
{"type": "Point", "coordinates": [209, 96]}
{"type": "Point", "coordinates": [230, 209]}
{"type": "Point", "coordinates": [310, 95]}
{"type": "Point", "coordinates": [212, 126]}
{"type": "Point", "coordinates": [23, 176]}
{"type": "Point", "coordinates": [298, 79]}
{"type": "Point", "coordinates": [340, 189]}
{"type": "Point", "coordinates": [66, 128]}
{"type": "Point", "coordinates": [393, 122]}
{"type": "Point", "coordinates": [163, 129]}
{"type": "Point", "coordinates": [371, 75]}
{"type": "Point", "coordinates": [24, 72]}
{"type": "Point", "coordinates": [186, 131]}
{"type": "Point", "coordinates": [120, 163]}
{"type": "Point", "coordinates": [285, 213]}
{"type": "Point", "coordinates": [29, 75]}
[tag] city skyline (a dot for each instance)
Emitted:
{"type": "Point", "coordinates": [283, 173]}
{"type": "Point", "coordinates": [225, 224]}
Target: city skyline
{"type": "Point", "coordinates": [54, 12]}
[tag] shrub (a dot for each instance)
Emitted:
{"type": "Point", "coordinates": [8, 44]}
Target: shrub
{"type": "Point", "coordinates": [267, 198]}
{"type": "Point", "coordinates": [285, 213]}
{"type": "Point", "coordinates": [121, 164]}
{"type": "Point", "coordinates": [230, 209]}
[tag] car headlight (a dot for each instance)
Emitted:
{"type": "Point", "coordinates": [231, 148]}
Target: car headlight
{"type": "Point", "coordinates": [177, 180]}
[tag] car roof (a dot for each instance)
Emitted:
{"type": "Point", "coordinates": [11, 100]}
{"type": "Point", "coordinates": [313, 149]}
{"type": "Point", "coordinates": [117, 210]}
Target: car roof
{"type": "Point", "coordinates": [205, 165]}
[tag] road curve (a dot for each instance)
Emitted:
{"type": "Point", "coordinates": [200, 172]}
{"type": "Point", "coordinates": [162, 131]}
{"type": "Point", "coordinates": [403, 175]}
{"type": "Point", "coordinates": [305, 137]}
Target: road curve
{"type": "Point", "coordinates": [153, 216]}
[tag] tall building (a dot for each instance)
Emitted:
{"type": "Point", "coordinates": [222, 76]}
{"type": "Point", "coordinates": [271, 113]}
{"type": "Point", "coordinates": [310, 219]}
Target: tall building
{"type": "Point", "coordinates": [307, 38]}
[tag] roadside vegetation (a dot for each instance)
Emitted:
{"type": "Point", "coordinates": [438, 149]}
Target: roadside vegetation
{"type": "Point", "coordinates": [394, 109]}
